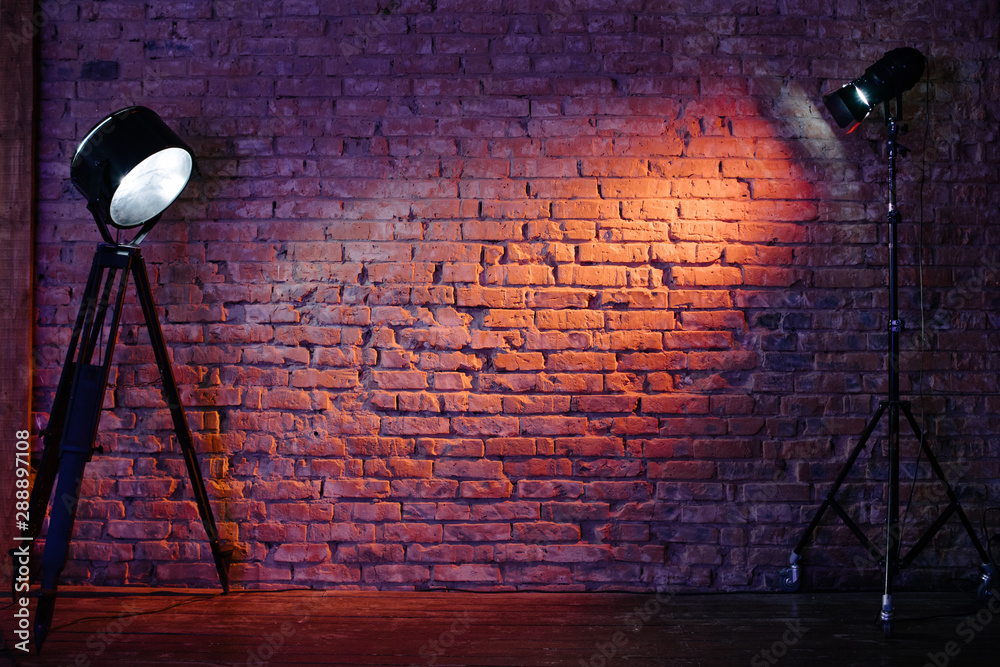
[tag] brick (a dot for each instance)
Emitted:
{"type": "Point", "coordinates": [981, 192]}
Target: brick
{"type": "Point", "coordinates": [486, 489]}
{"type": "Point", "coordinates": [706, 276]}
{"type": "Point", "coordinates": [314, 378]}
{"type": "Point", "coordinates": [683, 404]}
{"type": "Point", "coordinates": [477, 532]}
{"type": "Point", "coordinates": [139, 530]}
{"type": "Point", "coordinates": [341, 532]}
{"type": "Point", "coordinates": [650, 321]}
{"type": "Point", "coordinates": [355, 489]}
{"type": "Point", "coordinates": [424, 488]}
{"type": "Point", "coordinates": [682, 470]}
{"type": "Point", "coordinates": [468, 572]}
{"type": "Point", "coordinates": [549, 425]}
{"type": "Point", "coordinates": [301, 553]}
{"type": "Point", "coordinates": [415, 425]}
{"type": "Point", "coordinates": [397, 574]}
{"type": "Point", "coordinates": [535, 404]}
{"type": "Point", "coordinates": [581, 361]}
{"type": "Point", "coordinates": [595, 276]}
{"type": "Point", "coordinates": [726, 319]}
{"type": "Point", "coordinates": [398, 467]}
{"type": "Point", "coordinates": [568, 553]}
{"type": "Point", "coordinates": [451, 447]}
{"type": "Point", "coordinates": [486, 426]}
{"type": "Point", "coordinates": [534, 575]}
{"type": "Point", "coordinates": [549, 489]}
{"type": "Point", "coordinates": [569, 319]}
{"type": "Point", "coordinates": [483, 469]}
{"type": "Point", "coordinates": [636, 340]}
{"type": "Point", "coordinates": [412, 532]}
{"type": "Point", "coordinates": [368, 553]}
{"type": "Point", "coordinates": [591, 404]}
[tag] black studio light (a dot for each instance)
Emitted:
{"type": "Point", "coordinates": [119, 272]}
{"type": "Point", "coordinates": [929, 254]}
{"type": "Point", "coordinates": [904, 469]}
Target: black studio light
{"type": "Point", "coordinates": [130, 167]}
{"type": "Point", "coordinates": [894, 74]}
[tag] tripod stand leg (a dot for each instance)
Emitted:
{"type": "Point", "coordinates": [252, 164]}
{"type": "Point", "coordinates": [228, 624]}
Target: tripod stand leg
{"type": "Point", "coordinates": [790, 575]}
{"type": "Point", "coordinates": [77, 410]}
{"type": "Point", "coordinates": [76, 415]}
{"type": "Point", "coordinates": [45, 478]}
{"type": "Point", "coordinates": [76, 449]}
{"type": "Point", "coordinates": [892, 536]}
{"type": "Point", "coordinates": [830, 498]}
{"type": "Point", "coordinates": [954, 506]}
{"type": "Point", "coordinates": [173, 399]}
{"type": "Point", "coordinates": [61, 518]}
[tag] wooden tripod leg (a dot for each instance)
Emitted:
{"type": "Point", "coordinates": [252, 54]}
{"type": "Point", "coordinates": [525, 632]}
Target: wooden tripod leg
{"type": "Point", "coordinates": [41, 489]}
{"type": "Point", "coordinates": [76, 415]}
{"type": "Point", "coordinates": [61, 518]}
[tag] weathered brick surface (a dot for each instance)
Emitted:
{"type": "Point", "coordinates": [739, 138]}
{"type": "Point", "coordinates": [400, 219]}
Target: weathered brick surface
{"type": "Point", "coordinates": [563, 293]}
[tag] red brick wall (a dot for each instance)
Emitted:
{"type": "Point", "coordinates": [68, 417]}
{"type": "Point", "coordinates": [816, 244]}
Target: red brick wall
{"type": "Point", "coordinates": [576, 294]}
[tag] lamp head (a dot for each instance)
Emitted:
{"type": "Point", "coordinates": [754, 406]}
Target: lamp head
{"type": "Point", "coordinates": [130, 167]}
{"type": "Point", "coordinates": [895, 73]}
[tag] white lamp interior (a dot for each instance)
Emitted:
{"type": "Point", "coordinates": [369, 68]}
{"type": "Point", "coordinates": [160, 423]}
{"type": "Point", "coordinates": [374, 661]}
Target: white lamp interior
{"type": "Point", "coordinates": [151, 187]}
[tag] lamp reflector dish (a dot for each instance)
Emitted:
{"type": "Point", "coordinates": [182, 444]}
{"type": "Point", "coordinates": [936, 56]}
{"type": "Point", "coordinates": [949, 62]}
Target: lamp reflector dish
{"type": "Point", "coordinates": [151, 187]}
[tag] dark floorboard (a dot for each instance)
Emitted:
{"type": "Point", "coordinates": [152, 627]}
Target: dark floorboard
{"type": "Point", "coordinates": [147, 627]}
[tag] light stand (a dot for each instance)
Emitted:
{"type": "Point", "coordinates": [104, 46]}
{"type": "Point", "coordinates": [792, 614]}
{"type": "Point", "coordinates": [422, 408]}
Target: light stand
{"type": "Point", "coordinates": [892, 562]}
{"type": "Point", "coordinates": [72, 429]}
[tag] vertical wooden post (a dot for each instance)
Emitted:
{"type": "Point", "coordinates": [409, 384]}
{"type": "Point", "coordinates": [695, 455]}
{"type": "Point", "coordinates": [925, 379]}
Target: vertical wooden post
{"type": "Point", "coordinates": [17, 193]}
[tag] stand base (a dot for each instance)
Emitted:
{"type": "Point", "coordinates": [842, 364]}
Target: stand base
{"type": "Point", "coordinates": [72, 429]}
{"type": "Point", "coordinates": [790, 577]}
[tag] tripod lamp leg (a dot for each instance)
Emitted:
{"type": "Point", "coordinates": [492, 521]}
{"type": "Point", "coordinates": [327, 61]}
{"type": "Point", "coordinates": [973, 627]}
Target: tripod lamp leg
{"type": "Point", "coordinates": [57, 539]}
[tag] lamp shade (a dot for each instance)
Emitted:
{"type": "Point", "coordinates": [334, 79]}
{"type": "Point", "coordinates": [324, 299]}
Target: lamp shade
{"type": "Point", "coordinates": [895, 73]}
{"type": "Point", "coordinates": [131, 167]}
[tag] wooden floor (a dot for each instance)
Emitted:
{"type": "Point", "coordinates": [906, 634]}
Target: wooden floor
{"type": "Point", "coordinates": [155, 627]}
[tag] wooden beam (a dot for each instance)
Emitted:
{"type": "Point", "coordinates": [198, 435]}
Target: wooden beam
{"type": "Point", "coordinates": [17, 194]}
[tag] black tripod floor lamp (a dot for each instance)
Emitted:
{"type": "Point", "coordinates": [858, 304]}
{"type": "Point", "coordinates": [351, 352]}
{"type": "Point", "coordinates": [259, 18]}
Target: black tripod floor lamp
{"type": "Point", "coordinates": [130, 167]}
{"type": "Point", "coordinates": [897, 71]}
